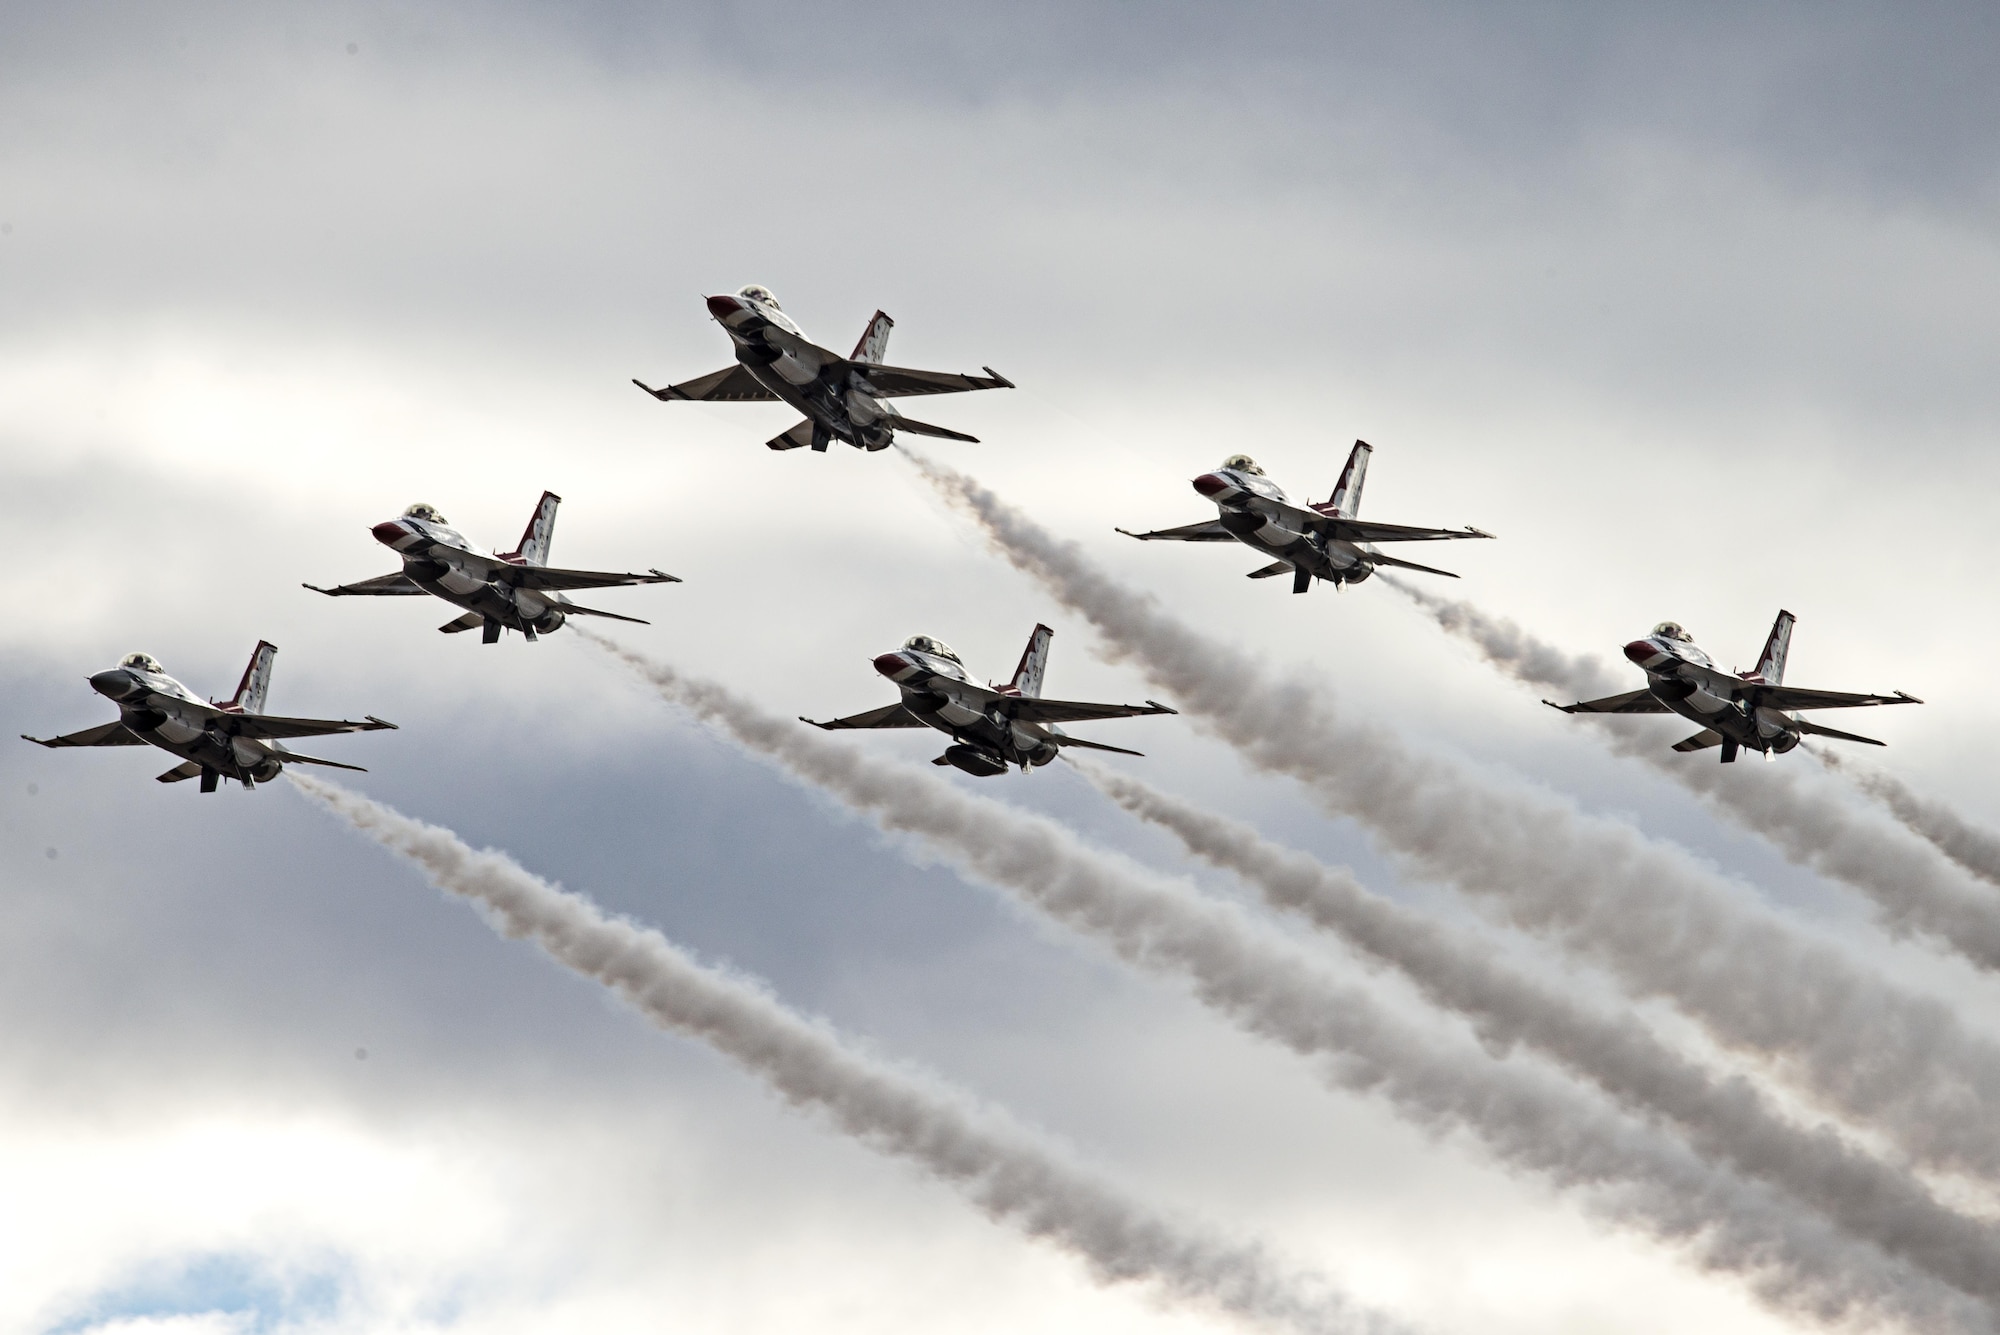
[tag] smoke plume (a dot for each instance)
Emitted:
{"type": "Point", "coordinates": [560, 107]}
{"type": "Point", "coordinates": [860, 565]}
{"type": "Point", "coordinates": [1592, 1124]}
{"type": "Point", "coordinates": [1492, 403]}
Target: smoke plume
{"type": "Point", "coordinates": [1661, 922]}
{"type": "Point", "coordinates": [1527, 1119]}
{"type": "Point", "coordinates": [1008, 1174]}
{"type": "Point", "coordinates": [1914, 892]}
{"type": "Point", "coordinates": [1722, 1119]}
{"type": "Point", "coordinates": [1971, 846]}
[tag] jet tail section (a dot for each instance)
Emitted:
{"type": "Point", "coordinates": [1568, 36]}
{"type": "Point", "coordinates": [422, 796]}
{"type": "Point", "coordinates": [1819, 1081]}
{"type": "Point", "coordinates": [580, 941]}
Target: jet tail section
{"type": "Point", "coordinates": [1346, 499]}
{"type": "Point", "coordinates": [1771, 663]}
{"type": "Point", "coordinates": [541, 531]}
{"type": "Point", "coordinates": [256, 684]}
{"type": "Point", "coordinates": [1027, 679]}
{"type": "Point", "coordinates": [902, 423]}
{"type": "Point", "coordinates": [874, 344]}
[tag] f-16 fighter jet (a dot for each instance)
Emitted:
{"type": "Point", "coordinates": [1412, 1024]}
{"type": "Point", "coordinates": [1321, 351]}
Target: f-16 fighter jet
{"type": "Point", "coordinates": [1736, 710]}
{"type": "Point", "coordinates": [842, 397]}
{"type": "Point", "coordinates": [1310, 541]}
{"type": "Point", "coordinates": [991, 727]}
{"type": "Point", "coordinates": [517, 590]}
{"type": "Point", "coordinates": [222, 739]}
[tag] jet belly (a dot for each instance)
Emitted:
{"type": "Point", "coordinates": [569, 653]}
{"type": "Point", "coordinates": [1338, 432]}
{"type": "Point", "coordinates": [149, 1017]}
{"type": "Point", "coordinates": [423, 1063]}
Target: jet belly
{"type": "Point", "coordinates": [1328, 560]}
{"type": "Point", "coordinates": [1013, 742]}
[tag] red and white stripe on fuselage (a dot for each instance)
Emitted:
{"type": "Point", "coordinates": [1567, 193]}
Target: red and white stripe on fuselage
{"type": "Point", "coordinates": [1683, 684]}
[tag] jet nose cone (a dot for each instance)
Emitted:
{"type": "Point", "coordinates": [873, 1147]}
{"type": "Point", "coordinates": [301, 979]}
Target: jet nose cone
{"type": "Point", "coordinates": [1208, 484]}
{"type": "Point", "coordinates": [114, 682]}
{"type": "Point", "coordinates": [390, 532]}
{"type": "Point", "coordinates": [1642, 651]}
{"type": "Point", "coordinates": [723, 307]}
{"type": "Point", "coordinates": [890, 664]}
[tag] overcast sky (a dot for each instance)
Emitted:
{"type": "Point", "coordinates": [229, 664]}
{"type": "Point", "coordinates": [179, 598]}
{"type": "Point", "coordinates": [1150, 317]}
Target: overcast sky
{"type": "Point", "coordinates": [1694, 307]}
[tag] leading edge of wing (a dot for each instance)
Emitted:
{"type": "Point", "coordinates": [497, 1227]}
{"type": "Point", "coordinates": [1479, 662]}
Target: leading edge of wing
{"type": "Point", "coordinates": [1641, 701]}
{"type": "Point", "coordinates": [382, 586]}
{"type": "Point", "coordinates": [901, 382]}
{"type": "Point", "coordinates": [1794, 697]}
{"type": "Point", "coordinates": [732, 384]}
{"type": "Point", "coordinates": [1208, 530]}
{"type": "Point", "coordinates": [271, 726]}
{"type": "Point", "coordinates": [1365, 530]}
{"type": "Point", "coordinates": [889, 716]}
{"type": "Point", "coordinates": [1033, 709]}
{"type": "Point", "coordinates": [105, 734]}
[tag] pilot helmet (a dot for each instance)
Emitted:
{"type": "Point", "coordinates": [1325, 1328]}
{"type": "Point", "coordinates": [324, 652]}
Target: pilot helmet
{"type": "Point", "coordinates": [427, 513]}
{"type": "Point", "coordinates": [1670, 630]}
{"type": "Point", "coordinates": [758, 292]}
{"type": "Point", "coordinates": [143, 662]}
{"type": "Point", "coordinates": [1242, 463]}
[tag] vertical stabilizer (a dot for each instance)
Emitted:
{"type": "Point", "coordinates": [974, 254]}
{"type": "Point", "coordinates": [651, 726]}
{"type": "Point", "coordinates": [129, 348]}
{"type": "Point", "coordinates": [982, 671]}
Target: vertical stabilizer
{"type": "Point", "coordinates": [1034, 663]}
{"type": "Point", "coordinates": [534, 548]}
{"type": "Point", "coordinates": [874, 344]}
{"type": "Point", "coordinates": [255, 687]}
{"type": "Point", "coordinates": [1346, 500]}
{"type": "Point", "coordinates": [1771, 665]}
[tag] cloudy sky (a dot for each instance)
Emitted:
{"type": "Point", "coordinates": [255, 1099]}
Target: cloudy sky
{"type": "Point", "coordinates": [1695, 309]}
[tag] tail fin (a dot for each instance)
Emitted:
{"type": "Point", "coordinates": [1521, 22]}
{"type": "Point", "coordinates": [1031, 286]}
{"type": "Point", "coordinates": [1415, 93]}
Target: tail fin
{"type": "Point", "coordinates": [1034, 662]}
{"type": "Point", "coordinates": [1771, 665]}
{"type": "Point", "coordinates": [874, 344]}
{"type": "Point", "coordinates": [534, 548]}
{"type": "Point", "coordinates": [1346, 499]}
{"type": "Point", "coordinates": [256, 683]}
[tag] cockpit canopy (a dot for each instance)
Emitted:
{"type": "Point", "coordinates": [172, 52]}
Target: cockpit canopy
{"type": "Point", "coordinates": [924, 644]}
{"type": "Point", "coordinates": [143, 662]}
{"type": "Point", "coordinates": [427, 513]}
{"type": "Point", "coordinates": [1671, 630]}
{"type": "Point", "coordinates": [1242, 463]}
{"type": "Point", "coordinates": [758, 292]}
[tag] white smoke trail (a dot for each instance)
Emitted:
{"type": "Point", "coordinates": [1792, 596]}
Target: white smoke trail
{"type": "Point", "coordinates": [1913, 890]}
{"type": "Point", "coordinates": [1794, 1258]}
{"type": "Point", "coordinates": [1007, 1173]}
{"type": "Point", "coordinates": [1971, 846]}
{"type": "Point", "coordinates": [1661, 922]}
{"type": "Point", "coordinates": [1725, 1119]}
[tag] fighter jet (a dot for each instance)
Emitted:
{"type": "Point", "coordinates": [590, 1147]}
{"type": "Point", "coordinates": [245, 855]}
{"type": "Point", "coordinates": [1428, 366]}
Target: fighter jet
{"type": "Point", "coordinates": [1310, 541]}
{"type": "Point", "coordinates": [221, 739]}
{"type": "Point", "coordinates": [517, 590]}
{"type": "Point", "coordinates": [1736, 710]}
{"type": "Point", "coordinates": [842, 397]}
{"type": "Point", "coordinates": [991, 727]}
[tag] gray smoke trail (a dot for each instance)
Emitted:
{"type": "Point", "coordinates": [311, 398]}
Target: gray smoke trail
{"type": "Point", "coordinates": [1914, 892]}
{"type": "Point", "coordinates": [1725, 1119]}
{"type": "Point", "coordinates": [1794, 1259]}
{"type": "Point", "coordinates": [1662, 923]}
{"type": "Point", "coordinates": [1971, 846]}
{"type": "Point", "coordinates": [1008, 1174]}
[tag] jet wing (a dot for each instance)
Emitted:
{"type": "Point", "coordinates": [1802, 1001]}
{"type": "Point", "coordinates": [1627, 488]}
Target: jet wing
{"type": "Point", "coordinates": [732, 384]}
{"type": "Point", "coordinates": [1032, 710]}
{"type": "Point", "coordinates": [1794, 697]}
{"type": "Point", "coordinates": [1364, 530]}
{"type": "Point", "coordinates": [397, 584]}
{"type": "Point", "coordinates": [266, 726]}
{"type": "Point", "coordinates": [1208, 530]}
{"type": "Point", "coordinates": [545, 577]}
{"type": "Point", "coordinates": [889, 716]}
{"type": "Point", "coordinates": [1641, 701]}
{"type": "Point", "coordinates": [897, 382]}
{"type": "Point", "coordinates": [109, 734]}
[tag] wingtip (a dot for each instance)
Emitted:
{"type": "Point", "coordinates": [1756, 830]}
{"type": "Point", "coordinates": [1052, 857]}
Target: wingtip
{"type": "Point", "coordinates": [1005, 383]}
{"type": "Point", "coordinates": [382, 722]}
{"type": "Point", "coordinates": [1479, 532]}
{"type": "Point", "coordinates": [1162, 709]}
{"type": "Point", "coordinates": [1907, 698]}
{"type": "Point", "coordinates": [662, 577]}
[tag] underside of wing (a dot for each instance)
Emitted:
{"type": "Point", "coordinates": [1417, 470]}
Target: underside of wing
{"type": "Point", "coordinates": [1061, 739]}
{"type": "Point", "coordinates": [1032, 710]}
{"type": "Point", "coordinates": [1701, 741]}
{"type": "Point", "coordinates": [382, 586]}
{"type": "Point", "coordinates": [1208, 530]}
{"type": "Point", "coordinates": [273, 725]}
{"type": "Point", "coordinates": [897, 382]}
{"type": "Point", "coordinates": [1641, 701]}
{"type": "Point", "coordinates": [108, 734]}
{"type": "Point", "coordinates": [1794, 697]}
{"type": "Point", "coordinates": [889, 716]}
{"type": "Point", "coordinates": [1362, 530]}
{"type": "Point", "coordinates": [549, 577]}
{"type": "Point", "coordinates": [732, 384]}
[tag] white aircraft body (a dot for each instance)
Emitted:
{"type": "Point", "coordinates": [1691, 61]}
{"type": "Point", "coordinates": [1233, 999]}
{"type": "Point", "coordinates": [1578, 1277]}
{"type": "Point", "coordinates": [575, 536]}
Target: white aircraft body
{"type": "Point", "coordinates": [1736, 710]}
{"type": "Point", "coordinates": [517, 590]}
{"type": "Point", "coordinates": [215, 739]}
{"type": "Point", "coordinates": [991, 727]}
{"type": "Point", "coordinates": [1309, 541]}
{"type": "Point", "coordinates": [843, 398]}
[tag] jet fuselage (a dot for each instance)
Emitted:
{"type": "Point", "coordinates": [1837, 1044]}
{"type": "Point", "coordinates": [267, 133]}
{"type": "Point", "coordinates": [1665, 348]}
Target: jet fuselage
{"type": "Point", "coordinates": [150, 705]}
{"type": "Point", "coordinates": [1684, 679]}
{"type": "Point", "coordinates": [1330, 559]}
{"type": "Point", "coordinates": [986, 743]}
{"type": "Point", "coordinates": [835, 398]}
{"type": "Point", "coordinates": [531, 611]}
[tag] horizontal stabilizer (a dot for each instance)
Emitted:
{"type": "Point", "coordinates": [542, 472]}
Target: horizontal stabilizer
{"type": "Point", "coordinates": [1273, 570]}
{"type": "Point", "coordinates": [1701, 741]}
{"type": "Point", "coordinates": [576, 610]}
{"type": "Point", "coordinates": [294, 758]}
{"type": "Point", "coordinates": [187, 769]}
{"type": "Point", "coordinates": [902, 423]}
{"type": "Point", "coordinates": [1819, 730]}
{"type": "Point", "coordinates": [470, 621]}
{"type": "Point", "coordinates": [798, 437]}
{"type": "Point", "coordinates": [1062, 739]}
{"type": "Point", "coordinates": [1377, 558]}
